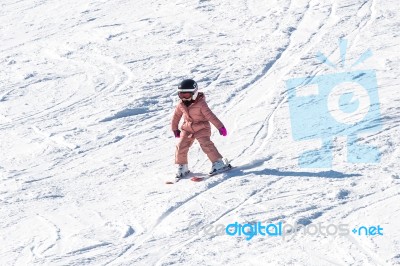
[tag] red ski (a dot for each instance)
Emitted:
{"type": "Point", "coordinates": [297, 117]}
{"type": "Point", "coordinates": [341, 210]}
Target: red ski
{"type": "Point", "coordinates": [199, 178]}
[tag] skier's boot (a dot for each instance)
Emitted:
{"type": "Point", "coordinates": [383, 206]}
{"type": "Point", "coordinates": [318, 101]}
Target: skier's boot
{"type": "Point", "coordinates": [182, 170]}
{"type": "Point", "coordinates": [219, 166]}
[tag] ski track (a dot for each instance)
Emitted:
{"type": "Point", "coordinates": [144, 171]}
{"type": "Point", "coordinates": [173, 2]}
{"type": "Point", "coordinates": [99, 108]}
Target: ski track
{"type": "Point", "coordinates": [208, 187]}
{"type": "Point", "coordinates": [106, 91]}
{"type": "Point", "coordinates": [264, 78]}
{"type": "Point", "coordinates": [227, 212]}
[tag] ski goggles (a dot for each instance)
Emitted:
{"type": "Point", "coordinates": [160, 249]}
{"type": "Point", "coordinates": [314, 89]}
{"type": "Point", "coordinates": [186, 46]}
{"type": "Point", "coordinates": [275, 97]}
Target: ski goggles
{"type": "Point", "coordinates": [185, 95]}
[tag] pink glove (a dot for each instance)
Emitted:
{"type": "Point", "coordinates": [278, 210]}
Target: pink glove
{"type": "Point", "coordinates": [223, 132]}
{"type": "Point", "coordinates": [177, 133]}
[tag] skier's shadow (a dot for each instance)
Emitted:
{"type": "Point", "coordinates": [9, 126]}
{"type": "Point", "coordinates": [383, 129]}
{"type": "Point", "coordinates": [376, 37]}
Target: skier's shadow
{"type": "Point", "coordinates": [276, 172]}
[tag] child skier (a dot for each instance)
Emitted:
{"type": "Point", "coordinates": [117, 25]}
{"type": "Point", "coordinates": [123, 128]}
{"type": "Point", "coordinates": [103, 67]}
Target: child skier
{"type": "Point", "coordinates": [197, 117]}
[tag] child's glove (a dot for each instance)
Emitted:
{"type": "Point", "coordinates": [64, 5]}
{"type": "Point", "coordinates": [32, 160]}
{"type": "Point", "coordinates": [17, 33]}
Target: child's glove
{"type": "Point", "coordinates": [177, 133]}
{"type": "Point", "coordinates": [223, 132]}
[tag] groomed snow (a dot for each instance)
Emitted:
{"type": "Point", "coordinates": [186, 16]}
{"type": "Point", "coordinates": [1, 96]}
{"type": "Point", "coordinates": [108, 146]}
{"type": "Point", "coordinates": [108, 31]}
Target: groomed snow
{"type": "Point", "coordinates": [87, 90]}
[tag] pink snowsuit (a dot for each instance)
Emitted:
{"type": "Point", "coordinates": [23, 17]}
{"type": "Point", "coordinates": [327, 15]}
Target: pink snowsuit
{"type": "Point", "coordinates": [196, 125]}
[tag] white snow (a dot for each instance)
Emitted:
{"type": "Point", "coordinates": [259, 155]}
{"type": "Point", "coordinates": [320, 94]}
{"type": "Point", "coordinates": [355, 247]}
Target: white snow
{"type": "Point", "coordinates": [87, 90]}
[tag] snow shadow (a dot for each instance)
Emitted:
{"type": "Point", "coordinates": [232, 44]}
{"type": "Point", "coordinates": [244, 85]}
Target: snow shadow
{"type": "Point", "coordinates": [125, 113]}
{"type": "Point", "coordinates": [276, 172]}
{"type": "Point", "coordinates": [325, 174]}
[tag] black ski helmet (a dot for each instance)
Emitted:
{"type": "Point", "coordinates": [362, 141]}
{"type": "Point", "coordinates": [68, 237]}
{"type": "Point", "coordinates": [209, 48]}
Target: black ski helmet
{"type": "Point", "coordinates": [189, 85]}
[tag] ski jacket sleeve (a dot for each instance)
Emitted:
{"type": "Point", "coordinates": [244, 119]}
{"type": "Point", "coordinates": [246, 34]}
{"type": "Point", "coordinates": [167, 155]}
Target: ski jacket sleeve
{"type": "Point", "coordinates": [176, 118]}
{"type": "Point", "coordinates": [210, 116]}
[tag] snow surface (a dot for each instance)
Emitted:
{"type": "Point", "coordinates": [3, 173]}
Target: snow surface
{"type": "Point", "coordinates": [87, 89]}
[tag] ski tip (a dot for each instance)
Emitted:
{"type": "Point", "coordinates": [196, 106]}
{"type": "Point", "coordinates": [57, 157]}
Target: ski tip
{"type": "Point", "coordinates": [170, 182]}
{"type": "Point", "coordinates": [196, 179]}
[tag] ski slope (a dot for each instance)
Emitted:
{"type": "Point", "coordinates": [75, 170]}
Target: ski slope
{"type": "Point", "coordinates": [87, 90]}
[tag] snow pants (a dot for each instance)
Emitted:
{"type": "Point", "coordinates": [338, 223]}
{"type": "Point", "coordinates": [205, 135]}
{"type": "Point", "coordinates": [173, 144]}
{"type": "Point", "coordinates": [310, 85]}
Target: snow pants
{"type": "Point", "coordinates": [186, 140]}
